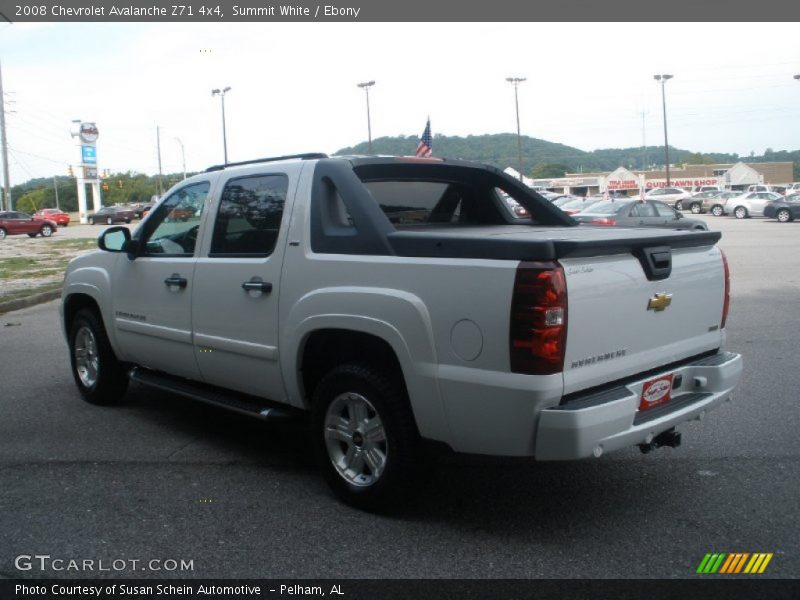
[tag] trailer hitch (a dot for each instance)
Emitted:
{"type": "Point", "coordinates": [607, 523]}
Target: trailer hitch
{"type": "Point", "coordinates": [670, 438]}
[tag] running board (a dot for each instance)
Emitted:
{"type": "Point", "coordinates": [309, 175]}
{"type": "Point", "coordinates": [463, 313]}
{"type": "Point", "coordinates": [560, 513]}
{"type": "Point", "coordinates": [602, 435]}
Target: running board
{"type": "Point", "coordinates": [235, 401]}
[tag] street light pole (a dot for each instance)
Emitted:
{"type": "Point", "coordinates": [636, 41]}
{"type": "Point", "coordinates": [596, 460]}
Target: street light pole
{"type": "Point", "coordinates": [221, 94]}
{"type": "Point", "coordinates": [365, 85]}
{"type": "Point", "coordinates": [515, 81]}
{"type": "Point", "coordinates": [662, 79]}
{"type": "Point", "coordinates": [183, 156]}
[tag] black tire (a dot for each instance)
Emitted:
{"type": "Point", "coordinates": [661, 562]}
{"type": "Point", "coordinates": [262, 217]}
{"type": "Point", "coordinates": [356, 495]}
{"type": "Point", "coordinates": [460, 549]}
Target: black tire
{"type": "Point", "coordinates": [679, 205]}
{"type": "Point", "coordinates": [783, 215]}
{"type": "Point", "coordinates": [2, 233]}
{"type": "Point", "coordinates": [127, 221]}
{"type": "Point", "coordinates": [400, 439]}
{"type": "Point", "coordinates": [46, 231]}
{"type": "Point", "coordinates": [111, 379]}
{"type": "Point", "coordinates": [695, 208]}
{"type": "Point", "coordinates": [740, 212]}
{"type": "Point", "coordinates": [717, 210]}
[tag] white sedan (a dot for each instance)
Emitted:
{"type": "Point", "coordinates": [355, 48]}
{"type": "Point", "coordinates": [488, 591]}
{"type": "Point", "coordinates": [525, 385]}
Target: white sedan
{"type": "Point", "coordinates": [670, 195]}
{"type": "Point", "coordinates": [750, 204]}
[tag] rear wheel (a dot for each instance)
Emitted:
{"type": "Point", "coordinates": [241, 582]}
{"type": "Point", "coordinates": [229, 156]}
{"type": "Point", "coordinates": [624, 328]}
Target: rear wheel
{"type": "Point", "coordinates": [100, 377]}
{"type": "Point", "coordinates": [679, 205]}
{"type": "Point", "coordinates": [46, 231]}
{"type": "Point", "coordinates": [695, 208]}
{"type": "Point", "coordinates": [2, 233]}
{"type": "Point", "coordinates": [716, 210]}
{"type": "Point", "coordinates": [783, 215]}
{"type": "Point", "coordinates": [91, 221]}
{"type": "Point", "coordinates": [740, 212]}
{"type": "Point", "coordinates": [109, 221]}
{"type": "Point", "coordinates": [365, 436]}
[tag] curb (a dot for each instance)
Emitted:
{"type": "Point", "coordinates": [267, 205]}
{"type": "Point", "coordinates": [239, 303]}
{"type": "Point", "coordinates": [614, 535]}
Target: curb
{"type": "Point", "coordinates": [33, 300]}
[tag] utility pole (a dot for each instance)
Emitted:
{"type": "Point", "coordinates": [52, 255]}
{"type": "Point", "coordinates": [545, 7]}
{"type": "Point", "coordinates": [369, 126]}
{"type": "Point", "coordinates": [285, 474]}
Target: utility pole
{"type": "Point", "coordinates": [662, 79]}
{"type": "Point", "coordinates": [365, 85]}
{"type": "Point", "coordinates": [183, 156]}
{"type": "Point", "coordinates": [158, 144]}
{"type": "Point", "coordinates": [644, 144]}
{"type": "Point", "coordinates": [515, 81]}
{"type": "Point", "coordinates": [4, 142]}
{"type": "Point", "coordinates": [221, 93]}
{"type": "Point", "coordinates": [55, 187]}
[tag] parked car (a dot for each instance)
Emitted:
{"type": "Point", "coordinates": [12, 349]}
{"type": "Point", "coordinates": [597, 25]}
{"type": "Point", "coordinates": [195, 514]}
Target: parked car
{"type": "Point", "coordinates": [706, 188]}
{"type": "Point", "coordinates": [15, 223]}
{"type": "Point", "coordinates": [111, 214]}
{"type": "Point", "coordinates": [784, 210]}
{"type": "Point", "coordinates": [670, 195]}
{"type": "Point", "coordinates": [179, 214]}
{"type": "Point", "coordinates": [778, 189]}
{"type": "Point", "coordinates": [635, 213]}
{"type": "Point", "coordinates": [750, 204]}
{"type": "Point", "coordinates": [695, 203]}
{"type": "Point", "coordinates": [716, 204]}
{"type": "Point", "coordinates": [53, 214]}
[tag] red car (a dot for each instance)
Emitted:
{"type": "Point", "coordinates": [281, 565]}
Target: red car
{"type": "Point", "coordinates": [53, 214]}
{"type": "Point", "coordinates": [14, 223]}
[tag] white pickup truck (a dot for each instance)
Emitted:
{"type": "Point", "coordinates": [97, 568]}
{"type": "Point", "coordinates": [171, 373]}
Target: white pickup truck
{"type": "Point", "coordinates": [406, 307]}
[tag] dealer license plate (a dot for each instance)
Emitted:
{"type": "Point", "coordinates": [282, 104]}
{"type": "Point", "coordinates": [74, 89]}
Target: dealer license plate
{"type": "Point", "coordinates": [656, 391]}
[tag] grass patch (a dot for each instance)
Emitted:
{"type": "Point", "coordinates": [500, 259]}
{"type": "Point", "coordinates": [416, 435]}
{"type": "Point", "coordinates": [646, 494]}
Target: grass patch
{"type": "Point", "coordinates": [16, 265]}
{"type": "Point", "coordinates": [17, 294]}
{"type": "Point", "coordinates": [76, 244]}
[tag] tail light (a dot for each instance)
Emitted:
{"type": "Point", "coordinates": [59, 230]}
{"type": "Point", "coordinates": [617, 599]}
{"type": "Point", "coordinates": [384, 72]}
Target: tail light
{"type": "Point", "coordinates": [604, 221]}
{"type": "Point", "coordinates": [538, 328]}
{"type": "Point", "coordinates": [726, 303]}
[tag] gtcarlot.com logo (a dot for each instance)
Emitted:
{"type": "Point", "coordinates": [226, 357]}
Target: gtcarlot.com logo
{"type": "Point", "coordinates": [45, 562]}
{"type": "Point", "coordinates": [734, 563]}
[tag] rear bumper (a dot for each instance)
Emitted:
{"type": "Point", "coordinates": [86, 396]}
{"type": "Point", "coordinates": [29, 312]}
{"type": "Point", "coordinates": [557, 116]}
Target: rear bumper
{"type": "Point", "coordinates": [604, 421]}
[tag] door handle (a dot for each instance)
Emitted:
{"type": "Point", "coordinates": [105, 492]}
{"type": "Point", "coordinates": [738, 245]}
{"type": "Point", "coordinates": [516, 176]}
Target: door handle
{"type": "Point", "coordinates": [257, 286]}
{"type": "Point", "coordinates": [176, 280]}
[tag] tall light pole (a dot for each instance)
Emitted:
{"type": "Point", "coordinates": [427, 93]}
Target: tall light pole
{"type": "Point", "coordinates": [224, 133]}
{"type": "Point", "coordinates": [183, 156]}
{"type": "Point", "coordinates": [662, 79]}
{"type": "Point", "coordinates": [4, 149]}
{"type": "Point", "coordinates": [365, 85]}
{"type": "Point", "coordinates": [515, 81]}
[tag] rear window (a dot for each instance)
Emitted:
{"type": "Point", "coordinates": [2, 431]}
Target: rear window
{"type": "Point", "coordinates": [607, 207]}
{"type": "Point", "coordinates": [410, 204]}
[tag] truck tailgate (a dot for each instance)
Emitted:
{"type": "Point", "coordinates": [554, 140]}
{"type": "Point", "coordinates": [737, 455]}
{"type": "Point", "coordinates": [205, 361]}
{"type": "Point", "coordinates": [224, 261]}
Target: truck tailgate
{"type": "Point", "coordinates": [620, 323]}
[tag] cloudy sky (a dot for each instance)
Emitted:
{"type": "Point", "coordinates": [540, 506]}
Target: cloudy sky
{"type": "Point", "coordinates": [294, 87]}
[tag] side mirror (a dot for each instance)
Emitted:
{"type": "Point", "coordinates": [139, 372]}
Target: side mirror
{"type": "Point", "coordinates": [114, 239]}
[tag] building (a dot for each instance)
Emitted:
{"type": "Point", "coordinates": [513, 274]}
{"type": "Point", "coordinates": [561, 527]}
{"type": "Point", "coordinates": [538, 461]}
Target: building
{"type": "Point", "coordinates": [731, 176]}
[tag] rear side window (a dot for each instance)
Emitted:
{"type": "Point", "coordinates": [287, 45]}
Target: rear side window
{"type": "Point", "coordinates": [409, 204]}
{"type": "Point", "coordinates": [249, 216]}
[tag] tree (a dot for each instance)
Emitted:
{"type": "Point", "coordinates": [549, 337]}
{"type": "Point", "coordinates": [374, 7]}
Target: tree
{"type": "Point", "coordinates": [545, 170]}
{"type": "Point", "coordinates": [698, 158]}
{"type": "Point", "coordinates": [32, 201]}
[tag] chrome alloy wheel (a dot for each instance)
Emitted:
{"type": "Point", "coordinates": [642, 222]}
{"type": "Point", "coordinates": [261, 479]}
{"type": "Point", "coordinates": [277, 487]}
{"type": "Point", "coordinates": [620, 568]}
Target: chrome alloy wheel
{"type": "Point", "coordinates": [355, 439]}
{"type": "Point", "coordinates": [87, 360]}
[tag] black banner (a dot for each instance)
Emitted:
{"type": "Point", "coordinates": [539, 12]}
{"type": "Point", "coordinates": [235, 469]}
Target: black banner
{"type": "Point", "coordinates": [417, 589]}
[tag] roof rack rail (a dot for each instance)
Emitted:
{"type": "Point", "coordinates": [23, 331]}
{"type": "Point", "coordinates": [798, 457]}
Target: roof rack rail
{"type": "Point", "coordinates": [306, 156]}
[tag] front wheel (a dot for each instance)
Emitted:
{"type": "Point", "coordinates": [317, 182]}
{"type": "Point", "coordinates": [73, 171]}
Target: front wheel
{"type": "Point", "coordinates": [2, 233]}
{"type": "Point", "coordinates": [740, 212]}
{"type": "Point", "coordinates": [100, 377]}
{"type": "Point", "coordinates": [679, 205]}
{"type": "Point", "coordinates": [695, 208]}
{"type": "Point", "coordinates": [365, 436]}
{"type": "Point", "coordinates": [46, 231]}
{"type": "Point", "coordinates": [716, 210]}
{"type": "Point", "coordinates": [784, 216]}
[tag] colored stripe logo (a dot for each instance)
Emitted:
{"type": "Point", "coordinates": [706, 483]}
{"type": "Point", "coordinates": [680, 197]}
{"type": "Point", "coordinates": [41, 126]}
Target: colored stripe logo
{"type": "Point", "coordinates": [734, 563]}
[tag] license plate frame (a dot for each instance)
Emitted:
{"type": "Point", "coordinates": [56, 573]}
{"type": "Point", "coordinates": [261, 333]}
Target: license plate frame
{"type": "Point", "coordinates": [656, 392]}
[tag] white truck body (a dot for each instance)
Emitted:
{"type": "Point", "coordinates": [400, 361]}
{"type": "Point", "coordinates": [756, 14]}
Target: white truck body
{"type": "Point", "coordinates": [446, 318]}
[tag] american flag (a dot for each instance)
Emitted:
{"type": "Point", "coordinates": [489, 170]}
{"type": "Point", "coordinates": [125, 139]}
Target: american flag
{"type": "Point", "coordinates": [425, 147]}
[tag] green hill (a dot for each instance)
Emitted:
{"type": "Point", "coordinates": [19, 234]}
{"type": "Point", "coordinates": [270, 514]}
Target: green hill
{"type": "Point", "coordinates": [500, 150]}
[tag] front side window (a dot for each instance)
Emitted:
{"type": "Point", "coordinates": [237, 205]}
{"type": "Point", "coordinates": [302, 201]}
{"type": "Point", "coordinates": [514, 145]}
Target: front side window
{"type": "Point", "coordinates": [172, 229]}
{"type": "Point", "coordinates": [665, 211]}
{"type": "Point", "coordinates": [249, 216]}
{"type": "Point", "coordinates": [642, 209]}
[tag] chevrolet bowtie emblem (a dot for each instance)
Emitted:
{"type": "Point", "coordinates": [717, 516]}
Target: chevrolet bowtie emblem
{"type": "Point", "coordinates": [659, 302]}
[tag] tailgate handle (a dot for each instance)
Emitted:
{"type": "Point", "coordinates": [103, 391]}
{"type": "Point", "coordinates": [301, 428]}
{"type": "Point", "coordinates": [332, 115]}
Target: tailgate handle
{"type": "Point", "coordinates": [656, 262]}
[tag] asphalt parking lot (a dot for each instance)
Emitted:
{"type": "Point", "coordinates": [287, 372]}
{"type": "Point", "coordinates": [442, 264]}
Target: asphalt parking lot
{"type": "Point", "coordinates": [162, 478]}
